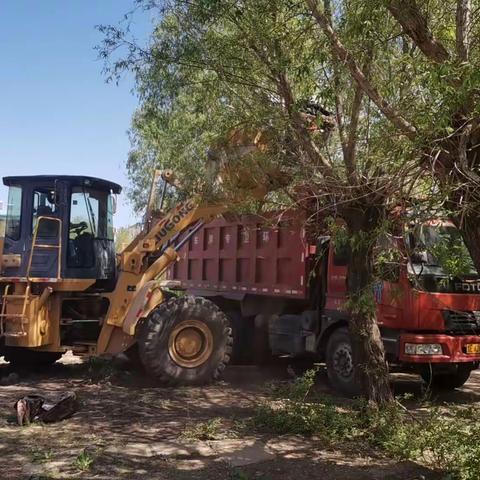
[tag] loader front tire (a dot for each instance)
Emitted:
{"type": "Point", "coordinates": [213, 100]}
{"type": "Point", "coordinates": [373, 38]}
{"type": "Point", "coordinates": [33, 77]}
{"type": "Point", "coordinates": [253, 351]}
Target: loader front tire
{"type": "Point", "coordinates": [185, 340]}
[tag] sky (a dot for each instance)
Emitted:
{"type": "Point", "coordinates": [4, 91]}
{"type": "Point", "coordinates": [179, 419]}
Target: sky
{"type": "Point", "coordinates": [57, 114]}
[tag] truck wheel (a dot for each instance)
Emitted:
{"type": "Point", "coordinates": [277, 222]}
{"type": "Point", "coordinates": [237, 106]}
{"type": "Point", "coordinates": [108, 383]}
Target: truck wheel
{"type": "Point", "coordinates": [23, 357]}
{"type": "Point", "coordinates": [339, 360]}
{"type": "Point", "coordinates": [447, 381]}
{"type": "Point", "coordinates": [240, 344]}
{"type": "Point", "coordinates": [262, 355]}
{"type": "Point", "coordinates": [185, 340]}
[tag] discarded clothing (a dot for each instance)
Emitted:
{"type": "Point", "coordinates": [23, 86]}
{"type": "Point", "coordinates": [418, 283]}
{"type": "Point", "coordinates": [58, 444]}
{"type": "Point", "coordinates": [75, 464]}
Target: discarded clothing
{"type": "Point", "coordinates": [34, 408]}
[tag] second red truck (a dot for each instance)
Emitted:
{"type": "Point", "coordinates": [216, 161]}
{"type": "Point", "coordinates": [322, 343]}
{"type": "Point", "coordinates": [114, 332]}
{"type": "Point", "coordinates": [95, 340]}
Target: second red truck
{"type": "Point", "coordinates": [284, 292]}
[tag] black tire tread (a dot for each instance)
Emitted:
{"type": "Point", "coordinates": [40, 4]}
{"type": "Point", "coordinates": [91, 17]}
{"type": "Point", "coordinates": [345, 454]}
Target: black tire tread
{"type": "Point", "coordinates": [349, 390]}
{"type": "Point", "coordinates": [153, 326]}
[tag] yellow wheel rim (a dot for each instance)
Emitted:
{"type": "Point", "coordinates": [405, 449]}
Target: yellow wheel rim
{"type": "Point", "coordinates": [190, 344]}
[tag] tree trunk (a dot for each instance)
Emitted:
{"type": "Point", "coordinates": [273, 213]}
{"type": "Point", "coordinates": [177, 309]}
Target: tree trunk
{"type": "Point", "coordinates": [371, 369]}
{"type": "Point", "coordinates": [469, 226]}
{"type": "Point", "coordinates": [456, 172]}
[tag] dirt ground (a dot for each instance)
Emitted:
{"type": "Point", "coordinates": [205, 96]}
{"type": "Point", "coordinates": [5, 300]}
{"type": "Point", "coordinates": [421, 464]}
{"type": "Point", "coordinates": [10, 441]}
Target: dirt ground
{"type": "Point", "coordinates": [129, 428]}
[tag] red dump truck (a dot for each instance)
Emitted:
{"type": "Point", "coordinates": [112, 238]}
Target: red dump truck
{"type": "Point", "coordinates": [284, 291]}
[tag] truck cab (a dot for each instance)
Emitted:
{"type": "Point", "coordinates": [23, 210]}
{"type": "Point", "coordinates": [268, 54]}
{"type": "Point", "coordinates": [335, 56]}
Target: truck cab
{"type": "Point", "coordinates": [437, 317]}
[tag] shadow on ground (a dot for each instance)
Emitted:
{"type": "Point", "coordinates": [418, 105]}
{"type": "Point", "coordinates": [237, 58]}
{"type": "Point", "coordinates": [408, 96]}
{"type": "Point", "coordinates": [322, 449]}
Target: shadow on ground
{"type": "Point", "coordinates": [130, 427]}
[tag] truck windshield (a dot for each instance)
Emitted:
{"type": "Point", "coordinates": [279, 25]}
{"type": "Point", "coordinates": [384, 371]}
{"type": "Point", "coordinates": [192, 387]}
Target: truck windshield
{"type": "Point", "coordinates": [439, 249]}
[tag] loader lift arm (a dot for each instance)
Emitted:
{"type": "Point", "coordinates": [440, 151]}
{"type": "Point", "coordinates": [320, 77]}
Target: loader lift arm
{"type": "Point", "coordinates": [137, 292]}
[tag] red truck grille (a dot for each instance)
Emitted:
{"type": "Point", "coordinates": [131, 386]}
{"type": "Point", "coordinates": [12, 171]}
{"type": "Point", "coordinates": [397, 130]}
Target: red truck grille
{"type": "Point", "coordinates": [462, 322]}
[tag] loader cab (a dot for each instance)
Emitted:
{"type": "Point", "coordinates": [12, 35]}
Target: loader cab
{"type": "Point", "coordinates": [61, 227]}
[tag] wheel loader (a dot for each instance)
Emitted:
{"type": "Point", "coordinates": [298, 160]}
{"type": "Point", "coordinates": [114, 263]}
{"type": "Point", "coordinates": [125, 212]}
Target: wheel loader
{"type": "Point", "coordinates": [63, 287]}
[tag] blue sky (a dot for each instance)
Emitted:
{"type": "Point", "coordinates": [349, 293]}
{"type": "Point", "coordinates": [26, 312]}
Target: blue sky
{"type": "Point", "coordinates": [57, 114]}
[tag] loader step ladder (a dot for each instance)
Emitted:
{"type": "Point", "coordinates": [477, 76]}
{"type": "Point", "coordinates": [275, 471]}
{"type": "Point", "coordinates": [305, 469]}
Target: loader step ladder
{"type": "Point", "coordinates": [14, 318]}
{"type": "Point", "coordinates": [21, 319]}
{"type": "Point", "coordinates": [46, 246]}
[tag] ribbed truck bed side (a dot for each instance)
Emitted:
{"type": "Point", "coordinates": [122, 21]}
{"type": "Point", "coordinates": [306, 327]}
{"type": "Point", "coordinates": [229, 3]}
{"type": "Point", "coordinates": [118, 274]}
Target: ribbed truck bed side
{"type": "Point", "coordinates": [243, 256]}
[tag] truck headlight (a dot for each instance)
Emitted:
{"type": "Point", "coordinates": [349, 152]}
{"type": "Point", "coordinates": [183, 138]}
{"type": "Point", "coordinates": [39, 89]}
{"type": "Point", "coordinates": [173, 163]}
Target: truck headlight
{"type": "Point", "coordinates": [423, 349]}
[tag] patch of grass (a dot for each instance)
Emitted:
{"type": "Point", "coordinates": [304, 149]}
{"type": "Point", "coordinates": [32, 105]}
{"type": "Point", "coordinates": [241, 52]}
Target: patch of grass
{"type": "Point", "coordinates": [240, 427]}
{"type": "Point", "coordinates": [40, 456]}
{"type": "Point", "coordinates": [442, 438]}
{"type": "Point", "coordinates": [210, 430]}
{"type": "Point", "coordinates": [293, 412]}
{"type": "Point", "coordinates": [84, 461]}
{"type": "Point", "coordinates": [239, 475]}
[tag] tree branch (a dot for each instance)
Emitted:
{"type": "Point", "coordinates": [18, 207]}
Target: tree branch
{"type": "Point", "coordinates": [351, 150]}
{"type": "Point", "coordinates": [462, 29]}
{"type": "Point", "coordinates": [339, 113]}
{"type": "Point", "coordinates": [303, 137]}
{"type": "Point", "coordinates": [408, 15]}
{"type": "Point", "coordinates": [338, 101]}
{"type": "Point", "coordinates": [340, 52]}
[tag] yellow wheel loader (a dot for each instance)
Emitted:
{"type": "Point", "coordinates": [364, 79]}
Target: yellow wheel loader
{"type": "Point", "coordinates": [63, 287]}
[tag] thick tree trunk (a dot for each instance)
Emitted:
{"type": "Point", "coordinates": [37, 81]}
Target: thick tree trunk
{"type": "Point", "coordinates": [371, 369]}
{"type": "Point", "coordinates": [456, 170]}
{"type": "Point", "coordinates": [469, 226]}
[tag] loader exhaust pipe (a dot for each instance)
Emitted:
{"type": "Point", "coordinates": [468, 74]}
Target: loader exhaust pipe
{"type": "Point", "coordinates": [44, 297]}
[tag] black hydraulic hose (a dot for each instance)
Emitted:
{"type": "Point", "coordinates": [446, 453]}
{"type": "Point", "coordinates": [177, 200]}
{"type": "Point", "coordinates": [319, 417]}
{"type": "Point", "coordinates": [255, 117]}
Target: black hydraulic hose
{"type": "Point", "coordinates": [164, 192]}
{"type": "Point", "coordinates": [184, 240]}
{"type": "Point", "coordinates": [189, 235]}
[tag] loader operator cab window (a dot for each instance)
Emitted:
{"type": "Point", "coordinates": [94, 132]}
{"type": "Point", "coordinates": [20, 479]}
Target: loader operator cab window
{"type": "Point", "coordinates": [14, 213]}
{"type": "Point", "coordinates": [44, 206]}
{"type": "Point", "coordinates": [90, 219]}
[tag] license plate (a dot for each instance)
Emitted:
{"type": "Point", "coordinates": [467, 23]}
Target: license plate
{"type": "Point", "coordinates": [473, 347]}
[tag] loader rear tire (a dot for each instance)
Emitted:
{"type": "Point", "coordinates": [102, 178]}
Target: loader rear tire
{"type": "Point", "coordinates": [186, 340]}
{"type": "Point", "coordinates": [25, 358]}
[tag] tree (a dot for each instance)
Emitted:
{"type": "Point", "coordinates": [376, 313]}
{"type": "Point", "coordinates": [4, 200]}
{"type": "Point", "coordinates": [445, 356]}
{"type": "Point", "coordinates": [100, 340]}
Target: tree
{"type": "Point", "coordinates": [431, 94]}
{"type": "Point", "coordinates": [216, 68]}
{"type": "Point", "coordinates": [124, 235]}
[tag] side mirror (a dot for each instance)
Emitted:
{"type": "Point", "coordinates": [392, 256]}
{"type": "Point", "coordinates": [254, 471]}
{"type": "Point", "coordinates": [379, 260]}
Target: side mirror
{"type": "Point", "coordinates": [114, 203]}
{"type": "Point", "coordinates": [418, 257]}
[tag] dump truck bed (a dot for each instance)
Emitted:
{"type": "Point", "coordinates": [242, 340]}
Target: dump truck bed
{"type": "Point", "coordinates": [247, 255]}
